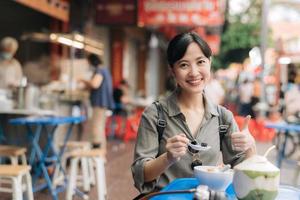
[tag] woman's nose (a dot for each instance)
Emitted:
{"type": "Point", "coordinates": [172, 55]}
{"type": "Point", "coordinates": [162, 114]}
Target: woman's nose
{"type": "Point", "coordinates": [193, 70]}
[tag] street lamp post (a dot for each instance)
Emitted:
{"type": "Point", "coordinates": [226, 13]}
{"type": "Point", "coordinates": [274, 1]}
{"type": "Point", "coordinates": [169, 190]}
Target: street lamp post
{"type": "Point", "coordinates": [263, 47]}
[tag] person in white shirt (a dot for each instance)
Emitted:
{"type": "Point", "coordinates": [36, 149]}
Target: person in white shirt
{"type": "Point", "coordinates": [292, 99]}
{"type": "Point", "coordinates": [10, 68]}
{"type": "Point", "coordinates": [215, 91]}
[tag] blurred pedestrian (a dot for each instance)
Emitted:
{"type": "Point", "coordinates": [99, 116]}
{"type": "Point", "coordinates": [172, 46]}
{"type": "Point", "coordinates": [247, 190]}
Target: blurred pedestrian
{"type": "Point", "coordinates": [122, 98]}
{"type": "Point", "coordinates": [10, 68]}
{"type": "Point", "coordinates": [256, 93]}
{"type": "Point", "coordinates": [245, 95]}
{"type": "Point", "coordinates": [101, 98]}
{"type": "Point", "coordinates": [215, 91]}
{"type": "Point", "coordinates": [189, 116]}
{"type": "Point", "coordinates": [292, 105]}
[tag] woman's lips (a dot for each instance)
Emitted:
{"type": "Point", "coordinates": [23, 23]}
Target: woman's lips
{"type": "Point", "coordinates": [195, 82]}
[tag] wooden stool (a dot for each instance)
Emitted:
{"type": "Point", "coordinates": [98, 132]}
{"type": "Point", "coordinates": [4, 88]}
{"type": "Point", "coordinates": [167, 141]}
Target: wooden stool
{"type": "Point", "coordinates": [88, 176]}
{"type": "Point", "coordinates": [97, 156]}
{"type": "Point", "coordinates": [16, 173]}
{"type": "Point", "coordinates": [14, 153]}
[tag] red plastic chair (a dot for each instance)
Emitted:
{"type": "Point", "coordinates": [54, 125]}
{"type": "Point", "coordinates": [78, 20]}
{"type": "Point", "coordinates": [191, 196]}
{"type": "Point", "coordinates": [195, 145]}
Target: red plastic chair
{"type": "Point", "coordinates": [264, 134]}
{"type": "Point", "coordinates": [257, 129]}
{"type": "Point", "coordinates": [132, 126]}
{"type": "Point", "coordinates": [124, 128]}
{"type": "Point", "coordinates": [115, 126]}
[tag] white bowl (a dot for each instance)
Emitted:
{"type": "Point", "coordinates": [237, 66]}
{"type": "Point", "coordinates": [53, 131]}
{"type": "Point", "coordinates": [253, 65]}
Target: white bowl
{"type": "Point", "coordinates": [213, 177]}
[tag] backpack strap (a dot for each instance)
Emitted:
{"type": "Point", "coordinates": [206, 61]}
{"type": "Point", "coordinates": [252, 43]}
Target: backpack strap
{"type": "Point", "coordinates": [161, 121]}
{"type": "Point", "coordinates": [222, 126]}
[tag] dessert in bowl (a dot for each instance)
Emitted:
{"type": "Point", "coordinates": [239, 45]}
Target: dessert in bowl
{"type": "Point", "coordinates": [214, 177]}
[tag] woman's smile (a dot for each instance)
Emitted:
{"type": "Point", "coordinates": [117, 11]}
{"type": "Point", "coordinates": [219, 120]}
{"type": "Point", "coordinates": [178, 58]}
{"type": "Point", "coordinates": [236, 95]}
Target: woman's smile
{"type": "Point", "coordinates": [195, 82]}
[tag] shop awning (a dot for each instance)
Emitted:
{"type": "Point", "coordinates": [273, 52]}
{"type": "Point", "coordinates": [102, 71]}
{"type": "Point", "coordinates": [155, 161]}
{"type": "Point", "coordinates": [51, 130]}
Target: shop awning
{"type": "Point", "coordinates": [74, 40]}
{"type": "Point", "coordinates": [58, 9]}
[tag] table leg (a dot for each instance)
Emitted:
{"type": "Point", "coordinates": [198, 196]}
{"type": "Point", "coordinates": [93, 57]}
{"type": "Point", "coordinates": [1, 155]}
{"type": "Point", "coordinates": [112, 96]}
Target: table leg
{"type": "Point", "coordinates": [59, 170]}
{"type": "Point", "coordinates": [34, 137]}
{"type": "Point", "coordinates": [49, 145]}
{"type": "Point", "coordinates": [282, 149]}
{"type": "Point", "coordinates": [37, 152]}
{"type": "Point", "coordinates": [62, 150]}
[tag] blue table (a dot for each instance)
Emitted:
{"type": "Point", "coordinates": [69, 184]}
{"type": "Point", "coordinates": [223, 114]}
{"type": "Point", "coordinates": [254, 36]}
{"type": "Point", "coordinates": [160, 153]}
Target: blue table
{"type": "Point", "coordinates": [182, 184]}
{"type": "Point", "coordinates": [42, 157]}
{"type": "Point", "coordinates": [14, 113]}
{"type": "Point", "coordinates": [284, 192]}
{"type": "Point", "coordinates": [286, 129]}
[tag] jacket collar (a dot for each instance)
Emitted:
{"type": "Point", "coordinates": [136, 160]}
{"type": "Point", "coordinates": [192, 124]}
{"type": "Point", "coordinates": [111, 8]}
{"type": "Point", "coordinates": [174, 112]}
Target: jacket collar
{"type": "Point", "coordinates": [170, 105]}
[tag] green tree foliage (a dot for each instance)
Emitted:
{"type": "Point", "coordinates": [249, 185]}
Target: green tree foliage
{"type": "Point", "coordinates": [240, 34]}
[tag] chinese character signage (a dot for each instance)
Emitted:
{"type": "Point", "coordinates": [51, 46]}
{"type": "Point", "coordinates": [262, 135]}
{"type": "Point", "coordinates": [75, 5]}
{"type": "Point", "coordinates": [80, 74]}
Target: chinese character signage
{"type": "Point", "coordinates": [181, 12]}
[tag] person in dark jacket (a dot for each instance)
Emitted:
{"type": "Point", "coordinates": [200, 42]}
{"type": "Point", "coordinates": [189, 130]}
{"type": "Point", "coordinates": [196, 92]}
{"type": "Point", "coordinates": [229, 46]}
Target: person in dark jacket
{"type": "Point", "coordinates": [121, 98]}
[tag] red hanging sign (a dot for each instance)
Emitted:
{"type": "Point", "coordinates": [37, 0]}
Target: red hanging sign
{"type": "Point", "coordinates": [115, 12]}
{"type": "Point", "coordinates": [213, 40]}
{"type": "Point", "coordinates": [180, 12]}
{"type": "Point", "coordinates": [214, 43]}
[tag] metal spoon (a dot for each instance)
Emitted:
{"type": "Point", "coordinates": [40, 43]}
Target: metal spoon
{"type": "Point", "coordinates": [199, 147]}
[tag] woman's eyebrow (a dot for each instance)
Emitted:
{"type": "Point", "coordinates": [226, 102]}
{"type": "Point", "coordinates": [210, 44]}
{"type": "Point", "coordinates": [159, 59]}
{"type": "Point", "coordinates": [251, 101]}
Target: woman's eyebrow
{"type": "Point", "coordinates": [181, 61]}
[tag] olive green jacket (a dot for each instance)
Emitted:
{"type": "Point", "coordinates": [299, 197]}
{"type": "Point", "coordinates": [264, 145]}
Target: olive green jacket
{"type": "Point", "coordinates": [148, 146]}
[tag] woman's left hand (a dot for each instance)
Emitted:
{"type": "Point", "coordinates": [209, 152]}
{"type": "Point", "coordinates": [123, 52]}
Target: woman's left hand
{"type": "Point", "coordinates": [243, 140]}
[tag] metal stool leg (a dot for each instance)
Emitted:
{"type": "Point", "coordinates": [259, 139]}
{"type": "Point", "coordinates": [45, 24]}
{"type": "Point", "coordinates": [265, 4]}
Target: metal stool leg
{"type": "Point", "coordinates": [23, 159]}
{"type": "Point", "coordinates": [72, 178]}
{"type": "Point", "coordinates": [85, 174]}
{"type": "Point", "coordinates": [28, 186]}
{"type": "Point", "coordinates": [17, 188]}
{"type": "Point", "coordinates": [91, 171]}
{"type": "Point", "coordinates": [100, 176]}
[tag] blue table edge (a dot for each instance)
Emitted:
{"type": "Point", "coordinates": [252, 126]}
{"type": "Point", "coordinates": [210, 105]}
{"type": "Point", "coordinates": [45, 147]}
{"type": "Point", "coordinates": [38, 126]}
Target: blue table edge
{"type": "Point", "coordinates": [189, 183]}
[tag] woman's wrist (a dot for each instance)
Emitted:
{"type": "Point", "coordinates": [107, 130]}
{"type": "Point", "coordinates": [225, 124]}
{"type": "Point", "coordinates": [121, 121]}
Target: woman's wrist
{"type": "Point", "coordinates": [169, 159]}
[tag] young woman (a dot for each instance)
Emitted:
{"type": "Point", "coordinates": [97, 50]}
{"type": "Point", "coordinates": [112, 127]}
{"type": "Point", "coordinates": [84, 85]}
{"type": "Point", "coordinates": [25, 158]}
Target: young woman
{"type": "Point", "coordinates": [191, 117]}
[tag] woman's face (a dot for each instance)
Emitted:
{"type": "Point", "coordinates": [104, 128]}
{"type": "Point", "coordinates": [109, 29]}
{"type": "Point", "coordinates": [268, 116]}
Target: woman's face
{"type": "Point", "coordinates": [192, 71]}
